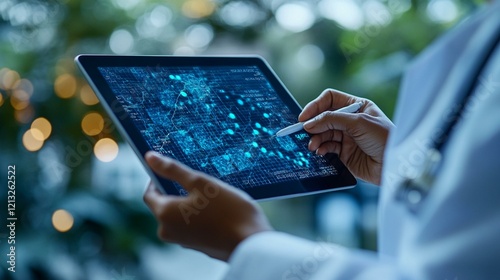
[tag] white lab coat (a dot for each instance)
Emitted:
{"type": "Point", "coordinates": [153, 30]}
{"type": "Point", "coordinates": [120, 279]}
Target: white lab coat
{"type": "Point", "coordinates": [455, 233]}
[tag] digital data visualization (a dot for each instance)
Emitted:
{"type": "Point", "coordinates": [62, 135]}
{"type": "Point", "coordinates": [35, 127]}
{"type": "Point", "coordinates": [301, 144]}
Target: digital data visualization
{"type": "Point", "coordinates": [219, 120]}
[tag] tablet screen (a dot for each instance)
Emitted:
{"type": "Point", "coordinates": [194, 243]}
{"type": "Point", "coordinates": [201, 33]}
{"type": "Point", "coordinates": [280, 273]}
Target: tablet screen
{"type": "Point", "coordinates": [220, 120]}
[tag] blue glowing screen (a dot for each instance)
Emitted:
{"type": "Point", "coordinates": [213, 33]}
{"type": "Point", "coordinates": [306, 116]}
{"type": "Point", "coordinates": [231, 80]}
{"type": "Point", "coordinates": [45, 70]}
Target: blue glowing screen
{"type": "Point", "coordinates": [219, 120]}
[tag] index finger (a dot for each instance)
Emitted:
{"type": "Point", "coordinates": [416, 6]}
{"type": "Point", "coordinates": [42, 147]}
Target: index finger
{"type": "Point", "coordinates": [329, 99]}
{"type": "Point", "coordinates": [173, 170]}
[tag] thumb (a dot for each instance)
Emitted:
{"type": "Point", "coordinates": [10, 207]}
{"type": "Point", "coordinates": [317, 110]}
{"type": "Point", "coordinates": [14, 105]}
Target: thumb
{"type": "Point", "coordinates": [331, 120]}
{"type": "Point", "coordinates": [173, 170]}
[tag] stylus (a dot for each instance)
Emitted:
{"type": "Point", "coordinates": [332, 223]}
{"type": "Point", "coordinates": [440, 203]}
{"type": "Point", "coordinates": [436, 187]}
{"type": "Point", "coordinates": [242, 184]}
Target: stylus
{"type": "Point", "coordinates": [299, 126]}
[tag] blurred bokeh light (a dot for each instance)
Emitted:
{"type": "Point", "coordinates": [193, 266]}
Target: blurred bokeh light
{"type": "Point", "coordinates": [44, 126]}
{"type": "Point", "coordinates": [92, 124]}
{"type": "Point", "coordinates": [88, 96]}
{"type": "Point", "coordinates": [33, 140]}
{"type": "Point", "coordinates": [106, 149]}
{"type": "Point", "coordinates": [62, 220]}
{"type": "Point", "coordinates": [65, 86]}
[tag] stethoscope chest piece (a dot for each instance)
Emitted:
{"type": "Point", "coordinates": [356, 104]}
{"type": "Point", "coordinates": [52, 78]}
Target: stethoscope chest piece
{"type": "Point", "coordinates": [413, 191]}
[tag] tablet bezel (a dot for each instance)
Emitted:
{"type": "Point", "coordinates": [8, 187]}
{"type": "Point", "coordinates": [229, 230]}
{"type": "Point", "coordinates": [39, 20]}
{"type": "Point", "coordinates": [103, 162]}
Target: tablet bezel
{"type": "Point", "coordinates": [89, 64]}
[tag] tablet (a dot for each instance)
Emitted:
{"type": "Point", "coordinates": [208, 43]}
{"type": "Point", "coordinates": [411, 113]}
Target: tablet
{"type": "Point", "coordinates": [217, 115]}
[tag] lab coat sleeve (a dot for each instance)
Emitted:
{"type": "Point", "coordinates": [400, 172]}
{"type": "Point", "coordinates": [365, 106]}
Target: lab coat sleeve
{"type": "Point", "coordinates": [275, 255]}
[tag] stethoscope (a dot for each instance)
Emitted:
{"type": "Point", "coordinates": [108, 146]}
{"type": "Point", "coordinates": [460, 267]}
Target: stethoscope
{"type": "Point", "coordinates": [413, 190]}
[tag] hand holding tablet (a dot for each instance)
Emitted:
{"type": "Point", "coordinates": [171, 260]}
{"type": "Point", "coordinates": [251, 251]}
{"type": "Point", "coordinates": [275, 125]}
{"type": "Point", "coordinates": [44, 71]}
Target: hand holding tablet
{"type": "Point", "coordinates": [216, 115]}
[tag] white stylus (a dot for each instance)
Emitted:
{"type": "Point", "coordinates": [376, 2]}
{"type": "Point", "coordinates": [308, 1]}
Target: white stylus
{"type": "Point", "coordinates": [299, 126]}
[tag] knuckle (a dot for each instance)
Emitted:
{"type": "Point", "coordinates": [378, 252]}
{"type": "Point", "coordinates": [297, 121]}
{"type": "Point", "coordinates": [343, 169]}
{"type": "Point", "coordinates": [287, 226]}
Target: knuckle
{"type": "Point", "coordinates": [324, 92]}
{"type": "Point", "coordinates": [211, 190]}
{"type": "Point", "coordinates": [331, 135]}
{"type": "Point", "coordinates": [366, 102]}
{"type": "Point", "coordinates": [166, 166]}
{"type": "Point", "coordinates": [325, 116]}
{"type": "Point", "coordinates": [329, 91]}
{"type": "Point", "coordinates": [197, 179]}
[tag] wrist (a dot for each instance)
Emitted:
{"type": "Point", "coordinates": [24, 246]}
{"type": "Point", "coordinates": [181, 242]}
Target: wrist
{"type": "Point", "coordinates": [245, 231]}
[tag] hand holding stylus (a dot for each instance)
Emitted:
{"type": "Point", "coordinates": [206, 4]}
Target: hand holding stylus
{"type": "Point", "coordinates": [359, 139]}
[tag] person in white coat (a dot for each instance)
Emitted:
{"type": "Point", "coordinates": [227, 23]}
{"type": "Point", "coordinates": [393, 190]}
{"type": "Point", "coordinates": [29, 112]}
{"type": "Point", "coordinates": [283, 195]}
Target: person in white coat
{"type": "Point", "coordinates": [438, 167]}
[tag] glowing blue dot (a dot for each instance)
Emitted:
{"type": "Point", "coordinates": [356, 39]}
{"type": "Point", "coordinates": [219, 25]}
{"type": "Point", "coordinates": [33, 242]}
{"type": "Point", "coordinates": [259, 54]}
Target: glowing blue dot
{"type": "Point", "coordinates": [171, 77]}
{"type": "Point", "coordinates": [257, 125]}
{"type": "Point", "coordinates": [280, 154]}
{"type": "Point", "coordinates": [177, 77]}
{"type": "Point", "coordinates": [248, 155]}
{"type": "Point", "coordinates": [264, 150]}
{"type": "Point", "coordinates": [181, 103]}
{"type": "Point", "coordinates": [300, 136]}
{"type": "Point", "coordinates": [255, 132]}
{"type": "Point", "coordinates": [240, 101]}
{"type": "Point", "coordinates": [287, 157]}
{"type": "Point", "coordinates": [264, 129]}
{"type": "Point", "coordinates": [230, 131]}
{"type": "Point", "coordinates": [253, 108]}
{"type": "Point", "coordinates": [236, 125]}
{"type": "Point", "coordinates": [232, 116]}
{"type": "Point", "coordinates": [255, 144]}
{"type": "Point", "coordinates": [226, 157]}
{"type": "Point", "coordinates": [266, 115]}
{"type": "Point", "coordinates": [184, 94]}
{"type": "Point", "coordinates": [271, 154]}
{"type": "Point", "coordinates": [300, 163]}
{"type": "Point", "coordinates": [227, 96]}
{"type": "Point", "coordinates": [301, 154]}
